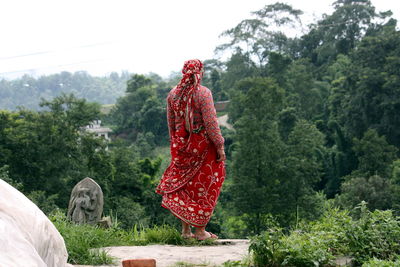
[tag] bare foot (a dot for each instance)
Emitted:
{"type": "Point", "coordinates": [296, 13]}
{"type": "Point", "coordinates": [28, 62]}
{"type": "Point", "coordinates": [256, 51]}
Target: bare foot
{"type": "Point", "coordinates": [188, 235]}
{"type": "Point", "coordinates": [204, 235]}
{"type": "Point", "coordinates": [186, 231]}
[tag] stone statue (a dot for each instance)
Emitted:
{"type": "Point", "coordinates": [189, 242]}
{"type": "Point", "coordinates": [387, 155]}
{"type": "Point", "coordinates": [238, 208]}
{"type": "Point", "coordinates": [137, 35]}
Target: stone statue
{"type": "Point", "coordinates": [86, 202]}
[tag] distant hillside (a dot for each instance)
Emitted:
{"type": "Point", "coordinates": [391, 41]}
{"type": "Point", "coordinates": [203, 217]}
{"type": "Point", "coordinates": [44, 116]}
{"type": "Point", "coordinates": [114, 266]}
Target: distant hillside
{"type": "Point", "coordinates": [27, 91]}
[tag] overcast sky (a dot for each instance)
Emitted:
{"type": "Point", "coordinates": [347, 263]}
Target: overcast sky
{"type": "Point", "coordinates": [141, 36]}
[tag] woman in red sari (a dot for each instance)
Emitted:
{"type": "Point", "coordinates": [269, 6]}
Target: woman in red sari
{"type": "Point", "coordinates": [191, 184]}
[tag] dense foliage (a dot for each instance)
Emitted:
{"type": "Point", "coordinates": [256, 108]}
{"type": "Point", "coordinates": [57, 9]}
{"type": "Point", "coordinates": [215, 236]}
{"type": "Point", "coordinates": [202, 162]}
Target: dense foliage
{"type": "Point", "coordinates": [46, 153]}
{"type": "Point", "coordinates": [315, 113]}
{"type": "Point", "coordinates": [315, 118]}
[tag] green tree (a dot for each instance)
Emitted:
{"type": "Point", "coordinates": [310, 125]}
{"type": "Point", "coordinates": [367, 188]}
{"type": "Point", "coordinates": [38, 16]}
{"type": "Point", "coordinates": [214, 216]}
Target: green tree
{"type": "Point", "coordinates": [256, 161]}
{"type": "Point", "coordinates": [141, 111]}
{"type": "Point", "coordinates": [302, 163]}
{"type": "Point", "coordinates": [339, 32]}
{"type": "Point", "coordinates": [375, 156]}
{"type": "Point", "coordinates": [374, 180]}
{"type": "Point", "coordinates": [259, 35]}
{"type": "Point", "coordinates": [238, 67]}
{"type": "Point", "coordinates": [48, 147]}
{"type": "Point", "coordinates": [373, 102]}
{"type": "Point", "coordinates": [374, 190]}
{"type": "Point", "coordinates": [137, 81]}
{"type": "Point", "coordinates": [302, 92]}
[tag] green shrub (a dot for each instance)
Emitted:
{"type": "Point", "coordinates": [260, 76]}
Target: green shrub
{"type": "Point", "coordinates": [311, 244]}
{"type": "Point", "coordinates": [268, 248]}
{"type": "Point", "coordinates": [307, 249]}
{"type": "Point", "coordinates": [234, 226]}
{"type": "Point", "coordinates": [163, 235]}
{"type": "Point", "coordinates": [130, 213]}
{"type": "Point", "coordinates": [46, 203]}
{"type": "Point", "coordinates": [381, 263]}
{"type": "Point", "coordinates": [375, 235]}
{"type": "Point", "coordinates": [273, 248]}
{"type": "Point", "coordinates": [332, 227]}
{"type": "Point", "coordinates": [4, 175]}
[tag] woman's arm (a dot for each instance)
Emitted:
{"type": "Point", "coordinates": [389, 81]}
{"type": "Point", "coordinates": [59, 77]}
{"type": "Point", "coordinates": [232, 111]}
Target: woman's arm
{"type": "Point", "coordinates": [210, 118]}
{"type": "Point", "coordinates": [170, 118]}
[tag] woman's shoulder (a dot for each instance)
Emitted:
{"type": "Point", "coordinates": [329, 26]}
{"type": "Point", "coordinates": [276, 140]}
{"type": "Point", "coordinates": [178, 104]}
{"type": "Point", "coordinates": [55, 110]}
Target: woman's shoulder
{"type": "Point", "coordinates": [202, 96]}
{"type": "Point", "coordinates": [204, 91]}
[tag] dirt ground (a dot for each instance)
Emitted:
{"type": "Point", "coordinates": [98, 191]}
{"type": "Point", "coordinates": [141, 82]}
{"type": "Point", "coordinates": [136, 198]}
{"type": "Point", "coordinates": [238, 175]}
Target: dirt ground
{"type": "Point", "coordinates": [168, 255]}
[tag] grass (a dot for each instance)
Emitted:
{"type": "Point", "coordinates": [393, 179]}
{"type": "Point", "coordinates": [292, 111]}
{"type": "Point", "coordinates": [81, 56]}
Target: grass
{"type": "Point", "coordinates": [83, 242]}
{"type": "Point", "coordinates": [225, 264]}
{"type": "Point", "coordinates": [188, 264]}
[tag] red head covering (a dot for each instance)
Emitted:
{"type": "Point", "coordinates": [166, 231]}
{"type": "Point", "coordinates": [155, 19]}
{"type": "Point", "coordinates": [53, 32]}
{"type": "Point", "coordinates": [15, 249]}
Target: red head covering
{"type": "Point", "coordinates": [192, 74]}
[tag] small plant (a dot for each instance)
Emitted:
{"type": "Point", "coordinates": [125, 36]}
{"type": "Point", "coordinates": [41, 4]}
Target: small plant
{"type": "Point", "coordinates": [307, 249]}
{"type": "Point", "coordinates": [233, 264]}
{"type": "Point", "coordinates": [267, 248]}
{"type": "Point", "coordinates": [375, 235]}
{"type": "Point", "coordinates": [381, 263]}
{"type": "Point", "coordinates": [163, 235]}
{"type": "Point", "coordinates": [188, 264]}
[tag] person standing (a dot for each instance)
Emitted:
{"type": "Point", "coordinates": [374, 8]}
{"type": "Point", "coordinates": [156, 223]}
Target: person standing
{"type": "Point", "coordinates": [191, 184]}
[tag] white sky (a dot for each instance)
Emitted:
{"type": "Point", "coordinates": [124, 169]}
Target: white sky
{"type": "Point", "coordinates": [101, 36]}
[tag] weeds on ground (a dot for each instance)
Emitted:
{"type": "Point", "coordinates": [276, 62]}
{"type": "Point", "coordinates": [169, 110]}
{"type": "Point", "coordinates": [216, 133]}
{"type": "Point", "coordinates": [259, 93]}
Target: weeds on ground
{"type": "Point", "coordinates": [188, 264]}
{"type": "Point", "coordinates": [225, 264]}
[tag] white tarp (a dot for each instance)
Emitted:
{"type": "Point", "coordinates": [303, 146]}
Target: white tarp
{"type": "Point", "coordinates": [27, 236]}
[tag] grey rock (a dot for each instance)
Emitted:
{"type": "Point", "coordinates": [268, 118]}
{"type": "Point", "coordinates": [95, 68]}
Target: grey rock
{"type": "Point", "coordinates": [344, 261]}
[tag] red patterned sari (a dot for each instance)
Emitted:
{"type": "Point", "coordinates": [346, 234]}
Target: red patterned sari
{"type": "Point", "coordinates": [192, 182]}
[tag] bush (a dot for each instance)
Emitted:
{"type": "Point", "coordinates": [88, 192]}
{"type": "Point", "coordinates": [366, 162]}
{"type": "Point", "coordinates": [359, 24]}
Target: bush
{"type": "Point", "coordinates": [4, 175]}
{"type": "Point", "coordinates": [268, 248]}
{"type": "Point", "coordinates": [130, 213]}
{"type": "Point", "coordinates": [163, 235]}
{"type": "Point", "coordinates": [273, 248]}
{"type": "Point", "coordinates": [332, 227]}
{"type": "Point", "coordinates": [311, 244]}
{"type": "Point", "coordinates": [374, 235]}
{"type": "Point", "coordinates": [234, 227]}
{"type": "Point", "coordinates": [381, 263]}
{"type": "Point", "coordinates": [46, 203]}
